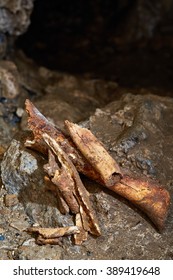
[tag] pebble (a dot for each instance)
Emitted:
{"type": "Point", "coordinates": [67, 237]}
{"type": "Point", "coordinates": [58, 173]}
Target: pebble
{"type": "Point", "coordinates": [2, 237]}
{"type": "Point", "coordinates": [1, 231]}
{"type": "Point", "coordinates": [11, 200]}
{"type": "Point", "coordinates": [19, 112]}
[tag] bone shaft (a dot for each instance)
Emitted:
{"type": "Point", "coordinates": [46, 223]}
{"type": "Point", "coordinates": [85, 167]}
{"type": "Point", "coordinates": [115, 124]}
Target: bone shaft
{"type": "Point", "coordinates": [153, 200]}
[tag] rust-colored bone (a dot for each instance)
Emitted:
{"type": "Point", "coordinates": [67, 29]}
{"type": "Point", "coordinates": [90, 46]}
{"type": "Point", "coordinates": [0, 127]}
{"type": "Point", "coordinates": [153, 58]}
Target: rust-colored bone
{"type": "Point", "coordinates": [38, 124]}
{"type": "Point", "coordinates": [68, 181]}
{"type": "Point", "coordinates": [53, 232]}
{"type": "Point", "coordinates": [48, 241]}
{"type": "Point", "coordinates": [95, 153]}
{"type": "Point", "coordinates": [82, 236]}
{"type": "Point", "coordinates": [151, 198]}
{"type": "Point", "coordinates": [62, 205]}
{"type": "Point", "coordinates": [52, 235]}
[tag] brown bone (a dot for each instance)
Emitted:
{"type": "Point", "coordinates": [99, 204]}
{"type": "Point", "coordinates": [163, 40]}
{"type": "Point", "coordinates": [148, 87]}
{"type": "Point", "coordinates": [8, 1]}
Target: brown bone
{"type": "Point", "coordinates": [52, 235]}
{"type": "Point", "coordinates": [151, 198]}
{"type": "Point", "coordinates": [53, 232]}
{"type": "Point", "coordinates": [69, 182]}
{"type": "Point", "coordinates": [95, 153]}
{"type": "Point", "coordinates": [38, 124]}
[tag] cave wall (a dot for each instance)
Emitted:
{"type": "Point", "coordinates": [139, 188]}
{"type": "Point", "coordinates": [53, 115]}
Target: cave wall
{"type": "Point", "coordinates": [127, 19]}
{"type": "Point", "coordinates": [79, 36]}
{"type": "Point", "coordinates": [14, 20]}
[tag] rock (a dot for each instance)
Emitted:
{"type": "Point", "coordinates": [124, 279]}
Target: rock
{"type": "Point", "coordinates": [22, 174]}
{"type": "Point", "coordinates": [19, 112]}
{"type": "Point", "coordinates": [14, 20]}
{"type": "Point", "coordinates": [16, 168]}
{"type": "Point", "coordinates": [19, 224]}
{"type": "Point", "coordinates": [1, 231]}
{"type": "Point", "coordinates": [2, 237]}
{"type": "Point", "coordinates": [3, 45]}
{"type": "Point", "coordinates": [9, 79]}
{"type": "Point", "coordinates": [15, 16]}
{"type": "Point", "coordinates": [36, 252]}
{"type": "Point", "coordinates": [6, 134]}
{"type": "Point", "coordinates": [66, 96]}
{"type": "Point", "coordinates": [10, 200]}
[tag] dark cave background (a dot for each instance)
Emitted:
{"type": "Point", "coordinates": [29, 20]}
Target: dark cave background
{"type": "Point", "coordinates": [128, 41]}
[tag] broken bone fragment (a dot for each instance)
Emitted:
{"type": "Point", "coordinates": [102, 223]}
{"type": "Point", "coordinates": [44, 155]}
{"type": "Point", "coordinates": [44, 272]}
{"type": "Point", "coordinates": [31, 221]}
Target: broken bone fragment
{"type": "Point", "coordinates": [54, 232]}
{"type": "Point", "coordinates": [90, 157]}
{"type": "Point", "coordinates": [82, 236]}
{"type": "Point", "coordinates": [150, 197]}
{"type": "Point", "coordinates": [38, 124]}
{"type": "Point", "coordinates": [93, 150]}
{"type": "Point", "coordinates": [52, 235]}
{"type": "Point", "coordinates": [61, 204]}
{"type": "Point", "coordinates": [68, 182]}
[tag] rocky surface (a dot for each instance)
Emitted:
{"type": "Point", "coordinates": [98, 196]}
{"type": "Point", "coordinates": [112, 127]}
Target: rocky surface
{"type": "Point", "coordinates": [15, 16]}
{"type": "Point", "coordinates": [9, 80]}
{"type": "Point", "coordinates": [14, 20]}
{"type": "Point", "coordinates": [73, 97]}
{"type": "Point", "coordinates": [137, 131]}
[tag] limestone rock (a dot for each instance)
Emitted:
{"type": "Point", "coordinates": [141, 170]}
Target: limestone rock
{"type": "Point", "coordinates": [22, 174]}
{"type": "Point", "coordinates": [16, 168]}
{"type": "Point", "coordinates": [10, 200]}
{"type": "Point", "coordinates": [15, 16]}
{"type": "Point", "coordinates": [9, 80]}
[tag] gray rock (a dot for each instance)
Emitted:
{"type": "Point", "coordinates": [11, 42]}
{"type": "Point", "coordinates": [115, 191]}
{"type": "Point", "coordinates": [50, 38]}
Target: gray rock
{"type": "Point", "coordinates": [35, 252]}
{"type": "Point", "coordinates": [15, 16]}
{"type": "Point", "coordinates": [6, 133]}
{"type": "Point", "coordinates": [16, 168]}
{"type": "Point", "coordinates": [9, 80]}
{"type": "Point", "coordinates": [3, 45]}
{"type": "Point", "coordinates": [22, 174]}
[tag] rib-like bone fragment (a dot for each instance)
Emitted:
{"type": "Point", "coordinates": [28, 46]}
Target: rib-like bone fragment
{"type": "Point", "coordinates": [52, 235]}
{"type": "Point", "coordinates": [68, 178]}
{"type": "Point", "coordinates": [48, 241]}
{"type": "Point", "coordinates": [82, 236]}
{"type": "Point", "coordinates": [53, 232]}
{"type": "Point", "coordinates": [61, 204]}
